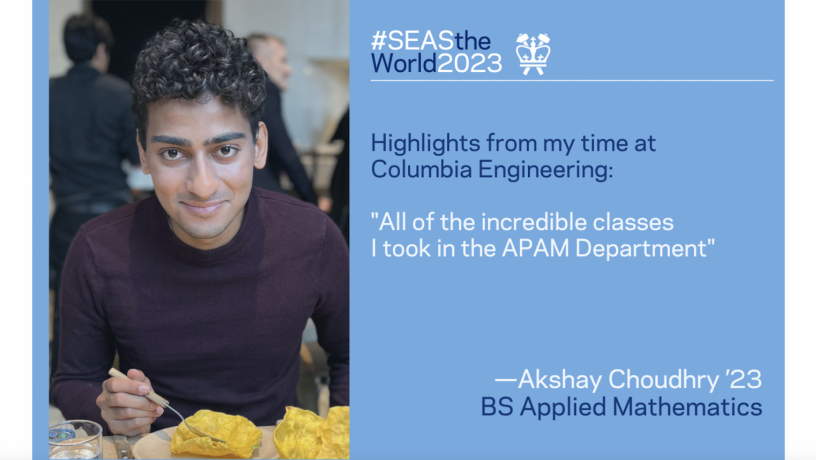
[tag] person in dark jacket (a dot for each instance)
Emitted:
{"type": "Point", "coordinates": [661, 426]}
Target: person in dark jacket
{"type": "Point", "coordinates": [91, 131]}
{"type": "Point", "coordinates": [340, 178]}
{"type": "Point", "coordinates": [270, 52]}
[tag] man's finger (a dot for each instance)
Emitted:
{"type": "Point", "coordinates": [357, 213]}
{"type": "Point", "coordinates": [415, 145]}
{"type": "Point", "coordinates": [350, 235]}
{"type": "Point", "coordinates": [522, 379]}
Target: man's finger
{"type": "Point", "coordinates": [131, 427]}
{"type": "Point", "coordinates": [125, 413]}
{"type": "Point", "coordinates": [118, 385]}
{"type": "Point", "coordinates": [136, 374]}
{"type": "Point", "coordinates": [126, 400]}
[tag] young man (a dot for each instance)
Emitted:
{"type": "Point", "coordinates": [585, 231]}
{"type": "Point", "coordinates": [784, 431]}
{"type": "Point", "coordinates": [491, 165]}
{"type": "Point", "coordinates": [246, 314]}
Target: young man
{"type": "Point", "coordinates": [271, 54]}
{"type": "Point", "coordinates": [204, 289]}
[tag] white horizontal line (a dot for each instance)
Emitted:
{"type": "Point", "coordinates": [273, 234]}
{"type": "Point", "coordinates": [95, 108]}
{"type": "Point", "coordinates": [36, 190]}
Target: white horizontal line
{"type": "Point", "coordinates": [579, 80]}
{"type": "Point", "coordinates": [507, 380]}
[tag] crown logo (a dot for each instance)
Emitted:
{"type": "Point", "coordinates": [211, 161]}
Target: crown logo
{"type": "Point", "coordinates": [531, 57]}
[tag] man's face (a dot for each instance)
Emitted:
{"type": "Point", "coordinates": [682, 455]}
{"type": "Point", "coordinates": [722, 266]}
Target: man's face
{"type": "Point", "coordinates": [201, 158]}
{"type": "Point", "coordinates": [278, 67]}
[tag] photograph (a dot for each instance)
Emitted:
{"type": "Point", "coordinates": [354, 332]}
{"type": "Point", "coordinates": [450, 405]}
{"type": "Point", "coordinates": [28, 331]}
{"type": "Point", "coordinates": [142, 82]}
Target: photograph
{"type": "Point", "coordinates": [199, 224]}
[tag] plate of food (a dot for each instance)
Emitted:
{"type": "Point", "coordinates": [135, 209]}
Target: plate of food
{"type": "Point", "coordinates": [243, 439]}
{"type": "Point", "coordinates": [301, 434]}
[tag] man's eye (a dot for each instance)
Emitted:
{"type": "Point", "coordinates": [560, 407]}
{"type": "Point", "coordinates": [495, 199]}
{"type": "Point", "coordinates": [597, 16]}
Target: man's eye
{"type": "Point", "coordinates": [227, 151]}
{"type": "Point", "coordinates": [171, 154]}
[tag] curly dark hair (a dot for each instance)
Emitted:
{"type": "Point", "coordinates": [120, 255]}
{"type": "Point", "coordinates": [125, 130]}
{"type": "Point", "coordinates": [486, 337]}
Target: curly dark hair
{"type": "Point", "coordinates": [197, 60]}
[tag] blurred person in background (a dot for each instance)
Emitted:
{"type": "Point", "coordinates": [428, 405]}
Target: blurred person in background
{"type": "Point", "coordinates": [270, 52]}
{"type": "Point", "coordinates": [91, 131]}
{"type": "Point", "coordinates": [339, 206]}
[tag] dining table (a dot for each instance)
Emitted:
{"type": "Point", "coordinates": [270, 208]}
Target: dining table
{"type": "Point", "coordinates": [109, 449]}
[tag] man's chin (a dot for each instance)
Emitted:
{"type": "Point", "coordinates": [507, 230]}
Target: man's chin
{"type": "Point", "coordinates": [208, 228]}
{"type": "Point", "coordinates": [204, 232]}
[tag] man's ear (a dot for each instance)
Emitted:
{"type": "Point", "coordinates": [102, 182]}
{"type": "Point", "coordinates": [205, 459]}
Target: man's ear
{"type": "Point", "coordinates": [261, 146]}
{"type": "Point", "coordinates": [142, 155]}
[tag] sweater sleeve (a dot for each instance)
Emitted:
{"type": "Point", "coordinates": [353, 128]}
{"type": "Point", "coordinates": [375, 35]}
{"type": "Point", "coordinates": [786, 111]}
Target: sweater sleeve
{"type": "Point", "coordinates": [331, 315]}
{"type": "Point", "coordinates": [86, 343]}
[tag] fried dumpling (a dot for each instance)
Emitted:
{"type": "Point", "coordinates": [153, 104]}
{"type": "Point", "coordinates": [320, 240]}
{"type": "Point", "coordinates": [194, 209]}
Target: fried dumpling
{"type": "Point", "coordinates": [334, 434]}
{"type": "Point", "coordinates": [242, 436]}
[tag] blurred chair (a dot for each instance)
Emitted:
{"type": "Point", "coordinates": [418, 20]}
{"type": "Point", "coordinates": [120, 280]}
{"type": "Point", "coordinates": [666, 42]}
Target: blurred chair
{"type": "Point", "coordinates": [313, 383]}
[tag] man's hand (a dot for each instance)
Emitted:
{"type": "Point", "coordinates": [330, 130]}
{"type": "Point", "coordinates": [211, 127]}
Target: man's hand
{"type": "Point", "coordinates": [124, 407]}
{"type": "Point", "coordinates": [325, 204]}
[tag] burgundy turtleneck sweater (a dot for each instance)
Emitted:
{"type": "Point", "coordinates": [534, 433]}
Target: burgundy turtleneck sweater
{"type": "Point", "coordinates": [218, 329]}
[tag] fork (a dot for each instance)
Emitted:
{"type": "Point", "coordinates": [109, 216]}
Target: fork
{"type": "Point", "coordinates": [152, 396]}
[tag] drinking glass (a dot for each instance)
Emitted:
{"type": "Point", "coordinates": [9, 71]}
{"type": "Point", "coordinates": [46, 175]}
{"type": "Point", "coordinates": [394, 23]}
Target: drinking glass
{"type": "Point", "coordinates": [75, 439]}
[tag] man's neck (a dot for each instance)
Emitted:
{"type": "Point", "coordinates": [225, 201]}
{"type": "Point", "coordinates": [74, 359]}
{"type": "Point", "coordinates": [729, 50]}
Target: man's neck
{"type": "Point", "coordinates": [98, 65]}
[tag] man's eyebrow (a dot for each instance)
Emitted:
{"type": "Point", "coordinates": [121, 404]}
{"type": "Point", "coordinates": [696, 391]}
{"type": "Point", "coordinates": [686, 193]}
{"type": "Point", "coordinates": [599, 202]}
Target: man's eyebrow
{"type": "Point", "coordinates": [171, 140]}
{"type": "Point", "coordinates": [226, 137]}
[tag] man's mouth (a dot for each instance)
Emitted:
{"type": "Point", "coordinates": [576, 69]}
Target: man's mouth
{"type": "Point", "coordinates": [204, 208]}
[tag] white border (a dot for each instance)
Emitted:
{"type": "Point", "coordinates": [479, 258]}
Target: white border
{"type": "Point", "coordinates": [15, 229]}
{"type": "Point", "coordinates": [800, 226]}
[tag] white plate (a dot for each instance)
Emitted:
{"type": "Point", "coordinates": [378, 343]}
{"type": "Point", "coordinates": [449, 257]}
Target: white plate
{"type": "Point", "coordinates": [157, 445]}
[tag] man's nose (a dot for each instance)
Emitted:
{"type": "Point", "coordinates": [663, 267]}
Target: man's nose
{"type": "Point", "coordinates": [203, 182]}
